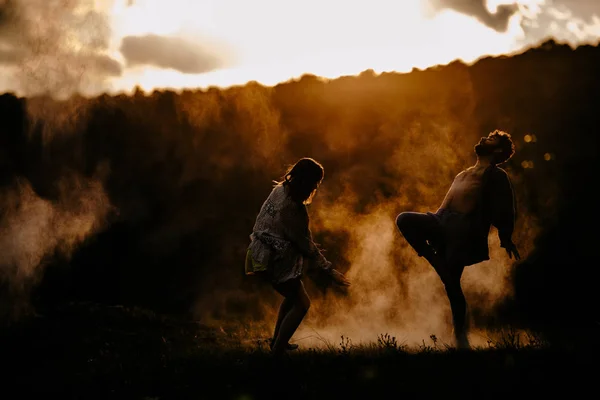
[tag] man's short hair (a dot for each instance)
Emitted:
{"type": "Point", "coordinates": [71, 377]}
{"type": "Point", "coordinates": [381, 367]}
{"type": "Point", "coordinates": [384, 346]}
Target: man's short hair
{"type": "Point", "coordinates": [505, 143]}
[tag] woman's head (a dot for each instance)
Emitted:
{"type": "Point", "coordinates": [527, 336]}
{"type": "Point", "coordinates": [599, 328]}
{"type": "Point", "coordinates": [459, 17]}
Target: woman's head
{"type": "Point", "coordinates": [303, 178]}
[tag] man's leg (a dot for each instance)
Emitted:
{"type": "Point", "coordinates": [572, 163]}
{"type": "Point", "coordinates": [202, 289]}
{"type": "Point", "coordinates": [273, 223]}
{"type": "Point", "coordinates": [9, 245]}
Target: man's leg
{"type": "Point", "coordinates": [458, 305]}
{"type": "Point", "coordinates": [419, 230]}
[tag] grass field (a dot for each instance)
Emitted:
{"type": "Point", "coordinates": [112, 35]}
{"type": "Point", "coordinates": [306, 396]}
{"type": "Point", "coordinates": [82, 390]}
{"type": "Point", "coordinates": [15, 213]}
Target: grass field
{"type": "Point", "coordinates": [87, 351]}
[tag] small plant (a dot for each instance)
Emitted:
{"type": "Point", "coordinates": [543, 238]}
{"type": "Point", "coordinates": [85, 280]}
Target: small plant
{"type": "Point", "coordinates": [387, 342]}
{"type": "Point", "coordinates": [330, 346]}
{"type": "Point", "coordinates": [426, 348]}
{"type": "Point", "coordinates": [434, 339]}
{"type": "Point", "coordinates": [512, 338]}
{"type": "Point", "coordinates": [535, 340]}
{"type": "Point", "coordinates": [345, 345]}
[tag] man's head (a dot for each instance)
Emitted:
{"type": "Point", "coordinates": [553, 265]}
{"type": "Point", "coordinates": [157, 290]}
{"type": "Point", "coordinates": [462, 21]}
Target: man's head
{"type": "Point", "coordinates": [498, 146]}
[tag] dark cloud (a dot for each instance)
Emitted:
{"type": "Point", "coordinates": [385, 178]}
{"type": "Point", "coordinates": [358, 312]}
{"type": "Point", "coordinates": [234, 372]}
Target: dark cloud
{"type": "Point", "coordinates": [477, 9]}
{"type": "Point", "coordinates": [13, 43]}
{"type": "Point", "coordinates": [9, 19]}
{"type": "Point", "coordinates": [55, 45]}
{"type": "Point", "coordinates": [6, 11]}
{"type": "Point", "coordinates": [169, 53]}
{"type": "Point", "coordinates": [99, 63]}
{"type": "Point", "coordinates": [582, 9]}
{"type": "Point", "coordinates": [105, 65]}
{"type": "Point", "coordinates": [562, 20]}
{"type": "Point", "coordinates": [10, 56]}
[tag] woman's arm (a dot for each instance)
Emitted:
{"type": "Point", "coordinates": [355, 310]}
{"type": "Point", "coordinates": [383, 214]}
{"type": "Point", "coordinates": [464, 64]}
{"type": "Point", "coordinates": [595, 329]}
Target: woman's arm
{"type": "Point", "coordinates": [296, 229]}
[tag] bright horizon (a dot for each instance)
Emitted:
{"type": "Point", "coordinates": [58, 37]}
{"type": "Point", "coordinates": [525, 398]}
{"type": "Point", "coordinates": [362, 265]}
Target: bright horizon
{"type": "Point", "coordinates": [182, 44]}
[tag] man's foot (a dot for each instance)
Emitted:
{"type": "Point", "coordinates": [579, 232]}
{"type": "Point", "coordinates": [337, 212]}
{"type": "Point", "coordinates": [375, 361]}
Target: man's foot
{"type": "Point", "coordinates": [289, 346]}
{"type": "Point", "coordinates": [462, 342]}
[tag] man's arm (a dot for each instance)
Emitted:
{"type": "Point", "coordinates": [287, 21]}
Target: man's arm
{"type": "Point", "coordinates": [504, 210]}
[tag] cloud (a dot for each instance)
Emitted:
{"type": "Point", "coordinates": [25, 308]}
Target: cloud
{"type": "Point", "coordinates": [572, 21]}
{"type": "Point", "coordinates": [10, 56]}
{"type": "Point", "coordinates": [57, 47]}
{"type": "Point", "coordinates": [105, 65]}
{"type": "Point", "coordinates": [478, 9]}
{"type": "Point", "coordinates": [10, 22]}
{"type": "Point", "coordinates": [168, 53]}
{"type": "Point", "coordinates": [33, 228]}
{"type": "Point", "coordinates": [585, 10]}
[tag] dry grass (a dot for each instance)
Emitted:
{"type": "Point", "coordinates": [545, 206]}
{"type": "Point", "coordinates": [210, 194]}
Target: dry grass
{"type": "Point", "coordinates": [89, 351]}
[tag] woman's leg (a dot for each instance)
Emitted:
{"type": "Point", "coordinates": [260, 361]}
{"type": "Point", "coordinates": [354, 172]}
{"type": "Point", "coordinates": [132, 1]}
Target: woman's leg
{"type": "Point", "coordinates": [284, 309]}
{"type": "Point", "coordinates": [296, 294]}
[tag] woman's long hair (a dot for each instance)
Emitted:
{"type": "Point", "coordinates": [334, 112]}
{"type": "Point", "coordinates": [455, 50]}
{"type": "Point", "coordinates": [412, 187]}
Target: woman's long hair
{"type": "Point", "coordinates": [302, 179]}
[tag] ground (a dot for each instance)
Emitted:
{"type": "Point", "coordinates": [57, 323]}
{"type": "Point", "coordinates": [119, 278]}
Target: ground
{"type": "Point", "coordinates": [86, 351]}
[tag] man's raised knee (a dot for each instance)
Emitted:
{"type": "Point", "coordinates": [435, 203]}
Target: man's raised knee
{"type": "Point", "coordinates": [401, 221]}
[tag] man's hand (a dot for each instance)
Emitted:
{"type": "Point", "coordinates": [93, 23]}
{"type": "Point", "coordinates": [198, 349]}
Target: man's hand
{"type": "Point", "coordinates": [339, 278]}
{"type": "Point", "coordinates": [511, 250]}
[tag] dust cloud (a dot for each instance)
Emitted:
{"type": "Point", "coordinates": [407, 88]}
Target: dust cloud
{"type": "Point", "coordinates": [188, 172]}
{"type": "Point", "coordinates": [393, 291]}
{"type": "Point", "coordinates": [396, 292]}
{"type": "Point", "coordinates": [33, 230]}
{"type": "Point", "coordinates": [56, 47]}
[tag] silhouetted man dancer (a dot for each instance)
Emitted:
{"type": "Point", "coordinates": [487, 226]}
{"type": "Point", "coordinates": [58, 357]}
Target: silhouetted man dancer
{"type": "Point", "coordinates": [456, 235]}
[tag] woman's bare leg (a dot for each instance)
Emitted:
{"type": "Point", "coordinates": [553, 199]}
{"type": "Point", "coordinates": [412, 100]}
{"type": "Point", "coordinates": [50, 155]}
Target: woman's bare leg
{"type": "Point", "coordinates": [293, 318]}
{"type": "Point", "coordinates": [284, 309]}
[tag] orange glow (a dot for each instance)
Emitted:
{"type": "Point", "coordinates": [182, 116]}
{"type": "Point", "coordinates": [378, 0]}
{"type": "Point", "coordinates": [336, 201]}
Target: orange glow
{"type": "Point", "coordinates": [530, 138]}
{"type": "Point", "coordinates": [527, 164]}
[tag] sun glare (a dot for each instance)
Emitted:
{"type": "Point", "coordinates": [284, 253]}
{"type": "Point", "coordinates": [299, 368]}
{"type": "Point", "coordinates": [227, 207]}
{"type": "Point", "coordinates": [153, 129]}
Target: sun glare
{"type": "Point", "coordinates": [275, 41]}
{"type": "Point", "coordinates": [180, 44]}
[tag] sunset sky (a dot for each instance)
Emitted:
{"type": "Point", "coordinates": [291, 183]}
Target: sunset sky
{"type": "Point", "coordinates": [114, 45]}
